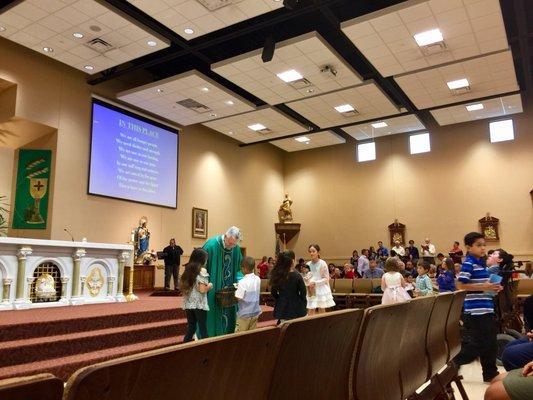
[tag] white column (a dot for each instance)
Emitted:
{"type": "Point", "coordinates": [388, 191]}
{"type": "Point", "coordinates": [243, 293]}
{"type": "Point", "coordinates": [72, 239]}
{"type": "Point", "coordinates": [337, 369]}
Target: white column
{"type": "Point", "coordinates": [64, 284]}
{"type": "Point", "coordinates": [6, 303]}
{"type": "Point", "coordinates": [122, 258]}
{"type": "Point", "coordinates": [110, 284]}
{"type": "Point", "coordinates": [22, 299]}
{"type": "Point", "coordinates": [77, 297]}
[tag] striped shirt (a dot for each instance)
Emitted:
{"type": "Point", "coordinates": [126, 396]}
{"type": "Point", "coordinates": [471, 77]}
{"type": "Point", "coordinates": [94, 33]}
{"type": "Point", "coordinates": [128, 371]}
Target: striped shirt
{"type": "Point", "coordinates": [474, 270]}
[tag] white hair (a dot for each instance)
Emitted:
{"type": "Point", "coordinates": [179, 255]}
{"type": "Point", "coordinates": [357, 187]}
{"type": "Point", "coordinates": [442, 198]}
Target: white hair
{"type": "Point", "coordinates": [234, 232]}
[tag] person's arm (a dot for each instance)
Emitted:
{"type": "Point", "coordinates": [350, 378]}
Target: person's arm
{"type": "Point", "coordinates": [324, 274]}
{"type": "Point", "coordinates": [180, 251]}
{"type": "Point", "coordinates": [425, 285]}
{"type": "Point", "coordinates": [302, 290]}
{"type": "Point", "coordinates": [240, 292]}
{"type": "Point", "coordinates": [528, 369]}
{"type": "Point", "coordinates": [463, 282]}
{"type": "Point", "coordinates": [383, 284]}
{"type": "Point", "coordinates": [402, 280]}
{"type": "Point", "coordinates": [204, 288]}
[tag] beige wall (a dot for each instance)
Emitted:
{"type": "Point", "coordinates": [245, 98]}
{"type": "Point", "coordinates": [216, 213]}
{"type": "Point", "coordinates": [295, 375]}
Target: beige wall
{"type": "Point", "coordinates": [238, 186]}
{"type": "Point", "coordinates": [345, 205]}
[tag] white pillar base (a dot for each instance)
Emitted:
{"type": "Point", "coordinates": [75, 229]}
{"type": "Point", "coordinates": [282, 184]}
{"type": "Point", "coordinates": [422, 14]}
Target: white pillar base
{"type": "Point", "coordinates": [22, 304]}
{"type": "Point", "coordinates": [120, 298]}
{"type": "Point", "coordinates": [77, 301]}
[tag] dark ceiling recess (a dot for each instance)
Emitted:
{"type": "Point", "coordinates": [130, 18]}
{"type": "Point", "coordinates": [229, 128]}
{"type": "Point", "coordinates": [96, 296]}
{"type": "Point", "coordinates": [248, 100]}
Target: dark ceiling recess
{"type": "Point", "coordinates": [298, 17]}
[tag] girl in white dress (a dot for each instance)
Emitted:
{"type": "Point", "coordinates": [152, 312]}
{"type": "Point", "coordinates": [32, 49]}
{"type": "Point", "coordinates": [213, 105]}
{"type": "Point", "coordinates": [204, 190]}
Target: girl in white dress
{"type": "Point", "coordinates": [322, 298]}
{"type": "Point", "coordinates": [393, 284]}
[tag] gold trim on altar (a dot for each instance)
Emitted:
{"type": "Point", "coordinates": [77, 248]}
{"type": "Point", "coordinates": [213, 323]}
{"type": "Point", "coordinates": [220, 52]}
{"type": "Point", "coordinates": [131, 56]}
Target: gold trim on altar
{"type": "Point", "coordinates": [95, 281]}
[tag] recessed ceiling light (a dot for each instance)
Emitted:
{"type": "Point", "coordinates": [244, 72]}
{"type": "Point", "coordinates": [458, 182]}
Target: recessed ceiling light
{"type": "Point", "coordinates": [188, 31]}
{"type": "Point", "coordinates": [310, 90]}
{"type": "Point", "coordinates": [205, 89]}
{"type": "Point", "coordinates": [302, 139]}
{"type": "Point", "coordinates": [344, 108]}
{"type": "Point", "coordinates": [151, 43]}
{"type": "Point", "coordinates": [458, 84]}
{"type": "Point", "coordinates": [159, 90]}
{"type": "Point", "coordinates": [88, 67]}
{"type": "Point", "coordinates": [77, 35]}
{"type": "Point", "coordinates": [428, 37]}
{"type": "Point", "coordinates": [289, 76]}
{"type": "Point", "coordinates": [2, 28]}
{"type": "Point", "coordinates": [48, 49]}
{"type": "Point", "coordinates": [230, 133]}
{"type": "Point", "coordinates": [213, 115]}
{"type": "Point", "coordinates": [257, 127]}
{"type": "Point", "coordinates": [379, 125]}
{"type": "Point", "coordinates": [230, 103]}
{"type": "Point", "coordinates": [475, 107]}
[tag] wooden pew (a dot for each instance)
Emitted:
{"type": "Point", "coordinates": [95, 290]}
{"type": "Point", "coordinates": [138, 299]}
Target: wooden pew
{"type": "Point", "coordinates": [414, 362]}
{"type": "Point", "coordinates": [236, 366]}
{"type": "Point", "coordinates": [35, 387]}
{"type": "Point", "coordinates": [315, 355]}
{"type": "Point", "coordinates": [376, 367]}
{"type": "Point", "coordinates": [343, 293]}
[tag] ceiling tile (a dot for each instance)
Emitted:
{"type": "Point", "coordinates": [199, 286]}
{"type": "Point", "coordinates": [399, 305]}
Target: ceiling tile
{"type": "Point", "coordinates": [319, 139]}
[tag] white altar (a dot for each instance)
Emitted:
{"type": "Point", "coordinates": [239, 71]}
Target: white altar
{"type": "Point", "coordinates": [51, 273]}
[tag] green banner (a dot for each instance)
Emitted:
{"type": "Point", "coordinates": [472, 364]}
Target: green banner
{"type": "Point", "coordinates": [31, 199]}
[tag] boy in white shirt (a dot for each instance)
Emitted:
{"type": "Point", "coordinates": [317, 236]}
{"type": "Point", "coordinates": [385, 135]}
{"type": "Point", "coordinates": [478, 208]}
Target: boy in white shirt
{"type": "Point", "coordinates": [247, 293]}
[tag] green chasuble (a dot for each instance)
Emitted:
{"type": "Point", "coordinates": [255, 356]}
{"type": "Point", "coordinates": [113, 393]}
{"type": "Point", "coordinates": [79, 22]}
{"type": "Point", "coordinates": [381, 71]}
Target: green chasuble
{"type": "Point", "coordinates": [224, 268]}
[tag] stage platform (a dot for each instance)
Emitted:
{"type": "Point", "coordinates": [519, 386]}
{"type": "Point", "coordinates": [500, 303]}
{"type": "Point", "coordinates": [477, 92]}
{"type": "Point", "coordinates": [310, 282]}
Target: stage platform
{"type": "Point", "coordinates": [64, 339]}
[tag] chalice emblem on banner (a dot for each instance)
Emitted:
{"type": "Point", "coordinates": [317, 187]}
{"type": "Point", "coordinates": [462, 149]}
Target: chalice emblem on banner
{"type": "Point", "coordinates": [38, 188]}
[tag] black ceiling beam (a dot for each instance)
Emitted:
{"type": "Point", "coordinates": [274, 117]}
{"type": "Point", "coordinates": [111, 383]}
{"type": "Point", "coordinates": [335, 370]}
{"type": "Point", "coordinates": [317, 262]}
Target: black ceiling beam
{"type": "Point", "coordinates": [227, 34]}
{"type": "Point", "coordinates": [522, 28]}
{"type": "Point", "coordinates": [7, 4]}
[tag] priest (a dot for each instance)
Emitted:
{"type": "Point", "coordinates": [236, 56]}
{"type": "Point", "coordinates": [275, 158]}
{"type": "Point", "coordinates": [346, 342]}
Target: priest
{"type": "Point", "coordinates": [223, 266]}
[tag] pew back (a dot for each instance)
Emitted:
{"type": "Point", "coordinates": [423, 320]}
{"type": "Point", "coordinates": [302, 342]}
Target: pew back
{"type": "Point", "coordinates": [314, 357]}
{"type": "Point", "coordinates": [436, 344]}
{"type": "Point", "coordinates": [234, 366]}
{"type": "Point", "coordinates": [376, 366]}
{"type": "Point", "coordinates": [453, 329]}
{"type": "Point", "coordinates": [35, 387]}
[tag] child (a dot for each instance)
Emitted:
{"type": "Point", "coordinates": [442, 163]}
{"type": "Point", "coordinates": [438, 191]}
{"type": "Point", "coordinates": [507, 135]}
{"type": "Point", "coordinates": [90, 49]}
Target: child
{"type": "Point", "coordinates": [247, 293]}
{"type": "Point", "coordinates": [307, 275]}
{"type": "Point", "coordinates": [393, 284]}
{"type": "Point", "coordinates": [410, 285]}
{"type": "Point", "coordinates": [194, 284]}
{"type": "Point", "coordinates": [479, 338]}
{"type": "Point", "coordinates": [446, 280]}
{"type": "Point", "coordinates": [320, 281]}
{"type": "Point", "coordinates": [288, 289]}
{"type": "Point", "coordinates": [423, 282]}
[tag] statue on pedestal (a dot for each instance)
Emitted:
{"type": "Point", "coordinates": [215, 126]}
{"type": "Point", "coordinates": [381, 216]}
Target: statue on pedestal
{"type": "Point", "coordinates": [284, 212]}
{"type": "Point", "coordinates": [141, 241]}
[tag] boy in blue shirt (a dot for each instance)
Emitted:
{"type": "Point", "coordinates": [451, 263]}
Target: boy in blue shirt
{"type": "Point", "coordinates": [479, 338]}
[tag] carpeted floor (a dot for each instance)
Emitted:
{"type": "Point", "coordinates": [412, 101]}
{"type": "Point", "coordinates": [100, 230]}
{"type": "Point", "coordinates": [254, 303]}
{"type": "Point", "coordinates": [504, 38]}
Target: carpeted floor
{"type": "Point", "coordinates": [61, 340]}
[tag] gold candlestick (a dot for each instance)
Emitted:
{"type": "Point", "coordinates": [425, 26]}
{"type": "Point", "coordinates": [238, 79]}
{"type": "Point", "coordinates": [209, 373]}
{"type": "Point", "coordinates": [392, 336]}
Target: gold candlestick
{"type": "Point", "coordinates": [131, 296]}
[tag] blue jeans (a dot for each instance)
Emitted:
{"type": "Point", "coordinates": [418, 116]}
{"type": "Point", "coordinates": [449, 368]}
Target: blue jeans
{"type": "Point", "coordinates": [517, 354]}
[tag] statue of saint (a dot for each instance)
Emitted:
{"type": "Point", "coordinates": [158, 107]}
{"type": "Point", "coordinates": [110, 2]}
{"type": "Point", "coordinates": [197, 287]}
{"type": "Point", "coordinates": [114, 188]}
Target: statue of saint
{"type": "Point", "coordinates": [284, 212]}
{"type": "Point", "coordinates": [141, 239]}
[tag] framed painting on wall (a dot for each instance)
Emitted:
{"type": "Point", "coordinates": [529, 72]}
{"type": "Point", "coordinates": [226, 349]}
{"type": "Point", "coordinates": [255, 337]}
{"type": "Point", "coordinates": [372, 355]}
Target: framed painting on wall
{"type": "Point", "coordinates": [199, 223]}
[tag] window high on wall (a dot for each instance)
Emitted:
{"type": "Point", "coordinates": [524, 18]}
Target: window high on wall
{"type": "Point", "coordinates": [366, 151]}
{"type": "Point", "coordinates": [419, 143]}
{"type": "Point", "coordinates": [501, 131]}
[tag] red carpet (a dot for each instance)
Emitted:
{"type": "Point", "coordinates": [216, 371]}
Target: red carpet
{"type": "Point", "coordinates": [60, 340]}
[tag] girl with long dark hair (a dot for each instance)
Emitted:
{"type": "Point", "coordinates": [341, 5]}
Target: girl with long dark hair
{"type": "Point", "coordinates": [288, 289]}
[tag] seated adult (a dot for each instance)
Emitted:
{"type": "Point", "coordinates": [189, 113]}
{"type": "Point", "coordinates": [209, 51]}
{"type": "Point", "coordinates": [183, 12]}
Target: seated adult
{"type": "Point", "coordinates": [513, 385]}
{"type": "Point", "coordinates": [373, 271]}
{"type": "Point", "coordinates": [336, 273]}
{"type": "Point", "coordinates": [398, 248]}
{"type": "Point", "coordinates": [520, 351]}
{"type": "Point", "coordinates": [527, 273]}
{"type": "Point", "coordinates": [456, 253]}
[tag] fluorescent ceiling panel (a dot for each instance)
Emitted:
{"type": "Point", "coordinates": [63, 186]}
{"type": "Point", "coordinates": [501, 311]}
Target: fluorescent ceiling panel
{"type": "Point", "coordinates": [68, 28]}
{"type": "Point", "coordinates": [492, 108]}
{"type": "Point", "coordinates": [487, 76]}
{"type": "Point", "coordinates": [187, 98]}
{"type": "Point", "coordinates": [387, 37]}
{"type": "Point", "coordinates": [308, 54]}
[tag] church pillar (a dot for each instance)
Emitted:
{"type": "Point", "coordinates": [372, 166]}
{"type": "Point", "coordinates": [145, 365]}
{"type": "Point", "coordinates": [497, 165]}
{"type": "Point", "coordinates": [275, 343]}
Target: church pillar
{"type": "Point", "coordinates": [122, 257]}
{"type": "Point", "coordinates": [7, 289]}
{"type": "Point", "coordinates": [64, 284]}
{"type": "Point", "coordinates": [110, 282]}
{"type": "Point", "coordinates": [22, 300]}
{"type": "Point", "coordinates": [76, 298]}
{"type": "Point", "coordinates": [29, 282]}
